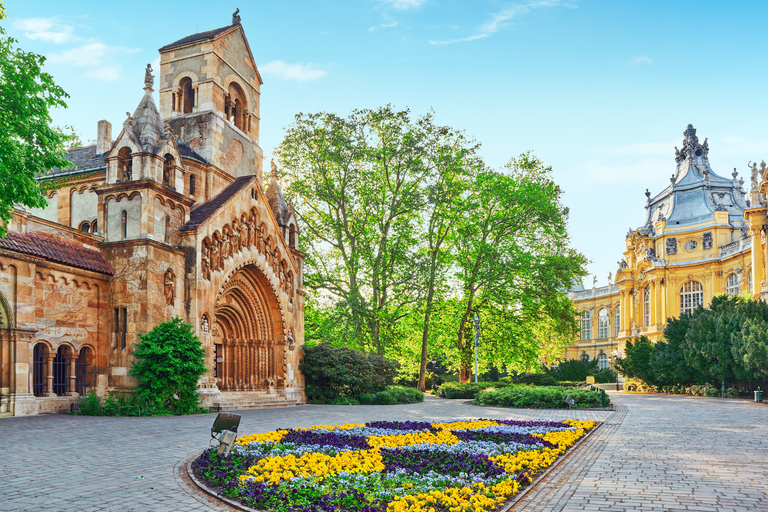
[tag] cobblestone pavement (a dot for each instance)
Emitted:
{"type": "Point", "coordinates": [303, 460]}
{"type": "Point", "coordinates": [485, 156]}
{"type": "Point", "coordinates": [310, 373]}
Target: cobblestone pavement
{"type": "Point", "coordinates": [653, 453]}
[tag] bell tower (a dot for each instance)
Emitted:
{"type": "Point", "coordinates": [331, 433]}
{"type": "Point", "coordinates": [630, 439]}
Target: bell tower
{"type": "Point", "coordinates": [210, 96]}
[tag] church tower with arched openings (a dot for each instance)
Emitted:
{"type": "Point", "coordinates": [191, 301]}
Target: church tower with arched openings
{"type": "Point", "coordinates": [210, 96]}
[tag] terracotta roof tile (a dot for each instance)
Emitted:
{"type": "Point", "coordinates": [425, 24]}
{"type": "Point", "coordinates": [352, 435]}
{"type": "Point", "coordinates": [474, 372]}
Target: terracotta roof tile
{"type": "Point", "coordinates": [57, 251]}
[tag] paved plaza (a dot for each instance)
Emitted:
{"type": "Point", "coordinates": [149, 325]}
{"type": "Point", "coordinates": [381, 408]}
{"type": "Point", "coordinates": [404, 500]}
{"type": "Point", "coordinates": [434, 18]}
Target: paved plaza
{"type": "Point", "coordinates": [653, 453]}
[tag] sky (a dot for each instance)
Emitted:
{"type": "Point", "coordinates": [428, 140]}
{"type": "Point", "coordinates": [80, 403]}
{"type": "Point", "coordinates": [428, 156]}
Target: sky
{"type": "Point", "coordinates": [600, 90]}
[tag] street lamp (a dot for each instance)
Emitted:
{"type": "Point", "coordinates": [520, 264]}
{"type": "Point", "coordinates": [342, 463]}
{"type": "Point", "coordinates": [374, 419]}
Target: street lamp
{"type": "Point", "coordinates": [477, 341]}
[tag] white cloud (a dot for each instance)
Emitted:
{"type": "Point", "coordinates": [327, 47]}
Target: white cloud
{"type": "Point", "coordinates": [299, 71]}
{"type": "Point", "coordinates": [98, 58]}
{"type": "Point", "coordinates": [45, 29]}
{"type": "Point", "coordinates": [404, 4]}
{"type": "Point", "coordinates": [501, 18]}
{"type": "Point", "coordinates": [385, 25]}
{"type": "Point", "coordinates": [640, 60]}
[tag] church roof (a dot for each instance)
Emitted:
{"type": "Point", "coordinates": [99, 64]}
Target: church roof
{"type": "Point", "coordinates": [695, 191]}
{"type": "Point", "coordinates": [194, 38]}
{"type": "Point", "coordinates": [57, 251]}
{"type": "Point", "coordinates": [206, 210]}
{"type": "Point", "coordinates": [146, 122]}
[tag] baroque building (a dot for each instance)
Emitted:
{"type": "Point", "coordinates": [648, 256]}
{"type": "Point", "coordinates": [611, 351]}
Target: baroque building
{"type": "Point", "coordinates": [170, 218]}
{"type": "Point", "coordinates": [694, 243]}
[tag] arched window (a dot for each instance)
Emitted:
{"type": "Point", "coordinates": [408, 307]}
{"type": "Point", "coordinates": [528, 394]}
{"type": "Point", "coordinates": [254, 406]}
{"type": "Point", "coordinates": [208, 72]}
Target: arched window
{"type": "Point", "coordinates": [192, 184]}
{"type": "Point", "coordinates": [585, 357]}
{"type": "Point", "coordinates": [169, 165]}
{"type": "Point", "coordinates": [602, 361]}
{"type": "Point", "coordinates": [85, 227]}
{"type": "Point", "coordinates": [187, 100]}
{"type": "Point", "coordinates": [84, 381]}
{"type": "Point", "coordinates": [167, 238]}
{"type": "Point", "coordinates": [124, 224]}
{"type": "Point", "coordinates": [235, 105]}
{"type": "Point", "coordinates": [732, 285]}
{"type": "Point", "coordinates": [646, 306]}
{"type": "Point", "coordinates": [691, 296]}
{"type": "Point", "coordinates": [602, 323]}
{"type": "Point", "coordinates": [95, 227]}
{"type": "Point", "coordinates": [586, 325]}
{"type": "Point", "coordinates": [124, 164]}
{"type": "Point", "coordinates": [616, 321]}
{"type": "Point", "coordinates": [61, 370]}
{"type": "Point", "coordinates": [292, 236]}
{"type": "Point", "coordinates": [40, 369]}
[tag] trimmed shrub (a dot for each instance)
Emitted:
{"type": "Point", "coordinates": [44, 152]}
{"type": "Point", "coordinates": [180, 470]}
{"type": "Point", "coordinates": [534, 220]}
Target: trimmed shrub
{"type": "Point", "coordinates": [605, 376]}
{"type": "Point", "coordinates": [466, 389]}
{"type": "Point", "coordinates": [168, 362]}
{"type": "Point", "coordinates": [406, 395]}
{"type": "Point", "coordinates": [537, 379]}
{"type": "Point", "coordinates": [574, 370]}
{"type": "Point", "coordinates": [331, 372]}
{"type": "Point", "coordinates": [551, 397]}
{"type": "Point", "coordinates": [385, 398]}
{"type": "Point", "coordinates": [366, 398]}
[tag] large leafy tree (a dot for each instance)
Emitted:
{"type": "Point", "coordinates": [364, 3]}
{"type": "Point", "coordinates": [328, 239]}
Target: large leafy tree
{"type": "Point", "coordinates": [514, 260]}
{"type": "Point", "coordinates": [359, 186]}
{"type": "Point", "coordinates": [29, 146]}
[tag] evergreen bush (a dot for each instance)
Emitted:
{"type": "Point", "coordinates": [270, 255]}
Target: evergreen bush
{"type": "Point", "coordinates": [551, 397]}
{"type": "Point", "coordinates": [466, 389]}
{"type": "Point", "coordinates": [168, 363]}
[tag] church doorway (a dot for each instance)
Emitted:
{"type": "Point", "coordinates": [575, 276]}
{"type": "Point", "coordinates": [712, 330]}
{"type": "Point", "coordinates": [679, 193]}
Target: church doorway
{"type": "Point", "coordinates": [249, 351]}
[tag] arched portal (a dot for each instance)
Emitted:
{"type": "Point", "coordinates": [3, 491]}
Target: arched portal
{"type": "Point", "coordinates": [249, 348]}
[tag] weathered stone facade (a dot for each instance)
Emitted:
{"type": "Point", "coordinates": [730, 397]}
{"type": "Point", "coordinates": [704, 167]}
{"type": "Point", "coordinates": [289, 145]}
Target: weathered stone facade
{"type": "Point", "coordinates": [169, 219]}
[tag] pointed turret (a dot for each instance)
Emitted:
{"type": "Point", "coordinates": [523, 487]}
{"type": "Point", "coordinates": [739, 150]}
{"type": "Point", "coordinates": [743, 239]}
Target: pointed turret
{"type": "Point", "coordinates": [146, 124]}
{"type": "Point", "coordinates": [276, 200]}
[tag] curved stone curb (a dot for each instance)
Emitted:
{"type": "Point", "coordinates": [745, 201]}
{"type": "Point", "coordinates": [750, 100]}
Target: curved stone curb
{"type": "Point", "coordinates": [539, 478]}
{"type": "Point", "coordinates": [234, 504]}
{"type": "Point", "coordinates": [507, 507]}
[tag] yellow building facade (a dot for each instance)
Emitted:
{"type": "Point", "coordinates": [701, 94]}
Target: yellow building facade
{"type": "Point", "coordinates": [696, 242]}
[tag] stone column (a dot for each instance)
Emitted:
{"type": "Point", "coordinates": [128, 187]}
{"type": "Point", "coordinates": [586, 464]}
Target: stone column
{"type": "Point", "coordinates": [72, 388]}
{"type": "Point", "coordinates": [757, 264]}
{"type": "Point", "coordinates": [49, 374]}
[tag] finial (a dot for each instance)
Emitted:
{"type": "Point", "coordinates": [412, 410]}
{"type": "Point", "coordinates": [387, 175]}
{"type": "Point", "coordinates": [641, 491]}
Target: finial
{"type": "Point", "coordinates": [274, 168]}
{"type": "Point", "coordinates": [149, 78]}
{"type": "Point", "coordinates": [236, 17]}
{"type": "Point", "coordinates": [734, 174]}
{"type": "Point", "coordinates": [647, 193]}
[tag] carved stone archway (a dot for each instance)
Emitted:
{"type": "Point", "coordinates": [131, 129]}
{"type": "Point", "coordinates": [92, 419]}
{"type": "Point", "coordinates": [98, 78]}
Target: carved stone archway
{"type": "Point", "coordinates": [251, 334]}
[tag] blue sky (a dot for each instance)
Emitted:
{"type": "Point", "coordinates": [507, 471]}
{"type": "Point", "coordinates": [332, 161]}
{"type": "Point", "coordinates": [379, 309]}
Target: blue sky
{"type": "Point", "coordinates": [599, 90]}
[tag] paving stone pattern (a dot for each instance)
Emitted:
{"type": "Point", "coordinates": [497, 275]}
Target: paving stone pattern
{"type": "Point", "coordinates": [653, 453]}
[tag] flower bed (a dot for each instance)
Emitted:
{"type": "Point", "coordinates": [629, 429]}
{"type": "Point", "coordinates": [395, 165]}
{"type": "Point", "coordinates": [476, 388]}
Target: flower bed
{"type": "Point", "coordinates": [451, 466]}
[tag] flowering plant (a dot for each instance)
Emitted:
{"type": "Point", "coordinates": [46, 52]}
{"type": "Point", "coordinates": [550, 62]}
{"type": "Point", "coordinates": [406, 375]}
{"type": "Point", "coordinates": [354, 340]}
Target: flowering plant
{"type": "Point", "coordinates": [388, 466]}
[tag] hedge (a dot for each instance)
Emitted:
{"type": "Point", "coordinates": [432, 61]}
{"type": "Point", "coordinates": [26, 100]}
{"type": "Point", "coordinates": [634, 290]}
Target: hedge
{"type": "Point", "coordinates": [466, 389]}
{"type": "Point", "coordinates": [549, 397]}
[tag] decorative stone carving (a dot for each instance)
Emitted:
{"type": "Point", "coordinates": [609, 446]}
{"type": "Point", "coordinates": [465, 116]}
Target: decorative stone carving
{"type": "Point", "coordinates": [149, 78]}
{"type": "Point", "coordinates": [754, 172]}
{"type": "Point", "coordinates": [690, 245]}
{"type": "Point", "coordinates": [744, 229]}
{"type": "Point", "coordinates": [622, 264]}
{"type": "Point", "coordinates": [236, 17]}
{"type": "Point", "coordinates": [170, 291]}
{"type": "Point", "coordinates": [706, 240]}
{"type": "Point", "coordinates": [671, 246]}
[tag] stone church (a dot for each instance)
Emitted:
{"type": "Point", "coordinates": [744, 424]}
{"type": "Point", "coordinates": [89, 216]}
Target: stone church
{"type": "Point", "coordinates": [171, 217]}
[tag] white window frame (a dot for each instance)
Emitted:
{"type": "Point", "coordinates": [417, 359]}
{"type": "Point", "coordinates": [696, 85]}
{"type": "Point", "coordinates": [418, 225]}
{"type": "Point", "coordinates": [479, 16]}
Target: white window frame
{"type": "Point", "coordinates": [647, 306]}
{"type": "Point", "coordinates": [603, 323]}
{"type": "Point", "coordinates": [691, 296]}
{"type": "Point", "coordinates": [586, 325]}
{"type": "Point", "coordinates": [732, 285]}
{"type": "Point", "coordinates": [602, 361]}
{"type": "Point", "coordinates": [616, 321]}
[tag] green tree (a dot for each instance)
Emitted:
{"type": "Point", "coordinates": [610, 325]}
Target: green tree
{"type": "Point", "coordinates": [636, 363]}
{"type": "Point", "coordinates": [514, 260]}
{"type": "Point", "coordinates": [358, 184]}
{"type": "Point", "coordinates": [29, 146]}
{"type": "Point", "coordinates": [668, 362]}
{"type": "Point", "coordinates": [168, 362]}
